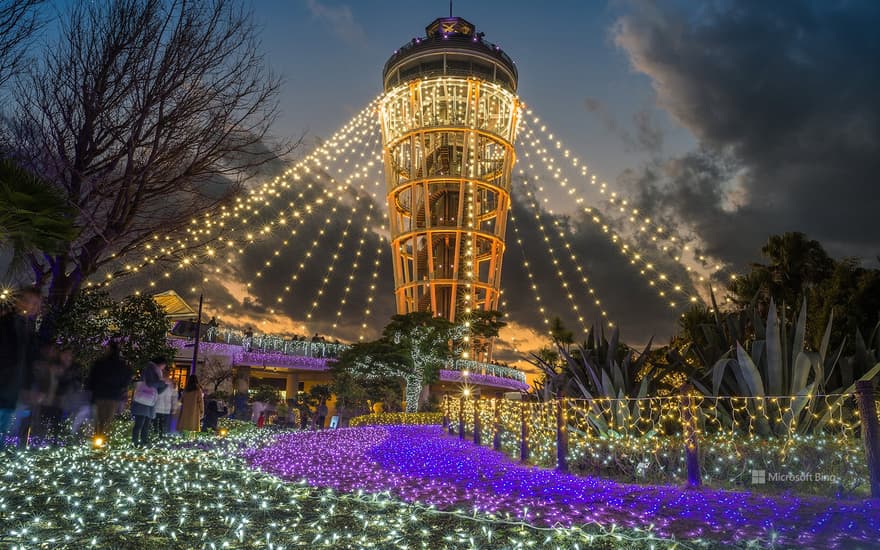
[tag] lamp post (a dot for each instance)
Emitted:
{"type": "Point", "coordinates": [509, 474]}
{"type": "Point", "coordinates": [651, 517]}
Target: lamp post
{"type": "Point", "coordinates": [192, 368]}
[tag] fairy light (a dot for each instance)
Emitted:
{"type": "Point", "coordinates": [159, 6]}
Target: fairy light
{"type": "Point", "coordinates": [373, 283]}
{"type": "Point", "coordinates": [666, 288]}
{"type": "Point", "coordinates": [325, 280]}
{"type": "Point", "coordinates": [564, 285]}
{"type": "Point", "coordinates": [247, 208]}
{"type": "Point", "coordinates": [655, 232]}
{"type": "Point", "coordinates": [532, 282]}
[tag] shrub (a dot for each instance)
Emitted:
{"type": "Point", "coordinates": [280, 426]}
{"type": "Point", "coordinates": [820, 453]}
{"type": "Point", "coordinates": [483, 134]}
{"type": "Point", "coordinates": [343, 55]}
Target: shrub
{"type": "Point", "coordinates": [391, 419]}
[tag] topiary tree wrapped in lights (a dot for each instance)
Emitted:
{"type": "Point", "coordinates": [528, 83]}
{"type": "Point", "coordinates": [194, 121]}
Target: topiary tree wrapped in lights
{"type": "Point", "coordinates": [413, 347]}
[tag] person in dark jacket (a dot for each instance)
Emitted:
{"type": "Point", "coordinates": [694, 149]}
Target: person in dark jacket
{"type": "Point", "coordinates": [17, 350]}
{"type": "Point", "coordinates": [144, 413]}
{"type": "Point", "coordinates": [213, 412]}
{"type": "Point", "coordinates": [108, 380]}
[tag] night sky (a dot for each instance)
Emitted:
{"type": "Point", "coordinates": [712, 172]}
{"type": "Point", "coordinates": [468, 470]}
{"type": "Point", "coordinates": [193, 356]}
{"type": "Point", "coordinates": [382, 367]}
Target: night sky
{"type": "Point", "coordinates": [724, 122]}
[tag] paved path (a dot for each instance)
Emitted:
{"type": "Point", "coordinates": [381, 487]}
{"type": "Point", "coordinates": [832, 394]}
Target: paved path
{"type": "Point", "coordinates": [421, 464]}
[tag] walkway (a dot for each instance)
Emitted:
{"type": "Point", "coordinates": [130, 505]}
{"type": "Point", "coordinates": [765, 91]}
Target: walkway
{"type": "Point", "coordinates": [421, 464]}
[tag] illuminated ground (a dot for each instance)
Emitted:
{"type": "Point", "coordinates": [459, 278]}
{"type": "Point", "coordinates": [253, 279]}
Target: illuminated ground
{"type": "Point", "coordinates": [210, 493]}
{"type": "Point", "coordinates": [420, 464]}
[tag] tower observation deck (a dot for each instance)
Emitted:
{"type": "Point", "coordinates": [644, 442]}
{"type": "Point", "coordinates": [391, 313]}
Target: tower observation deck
{"type": "Point", "coordinates": [449, 118]}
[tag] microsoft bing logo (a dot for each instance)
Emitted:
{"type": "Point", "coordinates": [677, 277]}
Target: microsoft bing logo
{"type": "Point", "coordinates": [759, 477]}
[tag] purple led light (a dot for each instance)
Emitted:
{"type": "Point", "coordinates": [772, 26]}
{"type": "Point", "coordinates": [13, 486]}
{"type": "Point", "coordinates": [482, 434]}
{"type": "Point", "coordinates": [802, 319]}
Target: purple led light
{"type": "Point", "coordinates": [456, 376]}
{"type": "Point", "coordinates": [420, 464]}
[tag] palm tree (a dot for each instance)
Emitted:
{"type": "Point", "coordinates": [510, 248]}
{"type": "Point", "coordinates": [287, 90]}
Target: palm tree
{"type": "Point", "coordinates": [561, 334]}
{"type": "Point", "coordinates": [796, 264]}
{"type": "Point", "coordinates": [34, 217]}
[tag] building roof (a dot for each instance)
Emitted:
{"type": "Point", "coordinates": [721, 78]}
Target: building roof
{"type": "Point", "coordinates": [175, 306]}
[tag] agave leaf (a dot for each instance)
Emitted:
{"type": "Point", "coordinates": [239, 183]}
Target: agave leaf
{"type": "Point", "coordinates": [611, 356]}
{"type": "Point", "coordinates": [800, 331]}
{"type": "Point", "coordinates": [643, 388]}
{"type": "Point", "coordinates": [617, 376]}
{"type": "Point", "coordinates": [818, 370]}
{"type": "Point", "coordinates": [830, 364]}
{"type": "Point", "coordinates": [758, 351]}
{"type": "Point", "coordinates": [846, 393]}
{"type": "Point", "coordinates": [802, 367]}
{"type": "Point", "coordinates": [750, 373]}
{"type": "Point", "coordinates": [733, 331]}
{"type": "Point", "coordinates": [591, 370]}
{"type": "Point", "coordinates": [874, 340]}
{"type": "Point", "coordinates": [703, 389]}
{"type": "Point", "coordinates": [826, 338]}
{"type": "Point", "coordinates": [712, 344]}
{"type": "Point", "coordinates": [644, 355]}
{"type": "Point", "coordinates": [774, 353]}
{"type": "Point", "coordinates": [607, 387]}
{"type": "Point", "coordinates": [797, 405]}
{"type": "Point", "coordinates": [718, 373]}
{"type": "Point", "coordinates": [861, 357]}
{"type": "Point", "coordinates": [598, 420]}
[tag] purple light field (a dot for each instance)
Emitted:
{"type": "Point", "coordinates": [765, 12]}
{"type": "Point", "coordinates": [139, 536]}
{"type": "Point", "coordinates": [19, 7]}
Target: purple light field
{"type": "Point", "coordinates": [422, 465]}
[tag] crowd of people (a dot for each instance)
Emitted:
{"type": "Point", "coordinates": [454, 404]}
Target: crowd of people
{"type": "Point", "coordinates": [45, 395]}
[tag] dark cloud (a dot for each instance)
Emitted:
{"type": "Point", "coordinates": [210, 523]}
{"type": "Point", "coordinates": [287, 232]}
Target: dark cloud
{"type": "Point", "coordinates": [623, 292]}
{"type": "Point", "coordinates": [645, 136]}
{"type": "Point", "coordinates": [782, 97]}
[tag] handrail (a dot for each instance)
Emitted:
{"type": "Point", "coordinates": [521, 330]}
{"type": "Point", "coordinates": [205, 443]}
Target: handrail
{"type": "Point", "coordinates": [267, 343]}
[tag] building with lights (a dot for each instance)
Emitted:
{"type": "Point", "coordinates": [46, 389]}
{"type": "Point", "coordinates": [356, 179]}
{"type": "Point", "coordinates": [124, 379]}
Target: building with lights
{"type": "Point", "coordinates": [449, 118]}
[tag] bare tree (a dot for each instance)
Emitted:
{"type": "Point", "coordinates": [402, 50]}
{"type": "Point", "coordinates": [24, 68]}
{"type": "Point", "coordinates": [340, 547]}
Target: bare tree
{"type": "Point", "coordinates": [215, 373]}
{"type": "Point", "coordinates": [18, 21]}
{"type": "Point", "coordinates": [147, 114]}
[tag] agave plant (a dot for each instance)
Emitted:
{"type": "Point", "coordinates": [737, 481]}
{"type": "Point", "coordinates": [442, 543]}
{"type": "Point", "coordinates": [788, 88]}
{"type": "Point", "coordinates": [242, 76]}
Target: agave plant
{"type": "Point", "coordinates": [595, 370]}
{"type": "Point", "coordinates": [764, 359]}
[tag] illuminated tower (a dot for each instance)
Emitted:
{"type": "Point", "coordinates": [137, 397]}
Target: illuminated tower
{"type": "Point", "coordinates": [449, 118]}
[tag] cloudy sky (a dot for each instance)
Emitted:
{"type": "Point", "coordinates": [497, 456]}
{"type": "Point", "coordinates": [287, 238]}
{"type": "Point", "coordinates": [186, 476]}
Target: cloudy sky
{"type": "Point", "coordinates": [722, 122]}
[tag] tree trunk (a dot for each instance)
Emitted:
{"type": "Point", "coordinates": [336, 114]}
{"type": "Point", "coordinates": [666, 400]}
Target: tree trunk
{"type": "Point", "coordinates": [413, 391]}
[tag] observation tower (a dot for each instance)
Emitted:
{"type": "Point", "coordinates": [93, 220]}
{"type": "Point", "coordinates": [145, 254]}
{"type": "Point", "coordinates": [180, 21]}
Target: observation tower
{"type": "Point", "coordinates": [449, 118]}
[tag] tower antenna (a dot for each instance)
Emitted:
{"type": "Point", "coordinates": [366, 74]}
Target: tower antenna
{"type": "Point", "coordinates": [450, 8]}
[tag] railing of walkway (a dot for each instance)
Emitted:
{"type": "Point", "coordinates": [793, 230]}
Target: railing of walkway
{"type": "Point", "coordinates": [278, 346]}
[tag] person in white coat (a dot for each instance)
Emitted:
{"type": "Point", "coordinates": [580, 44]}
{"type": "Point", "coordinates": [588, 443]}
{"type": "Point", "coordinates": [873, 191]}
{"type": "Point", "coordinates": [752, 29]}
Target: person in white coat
{"type": "Point", "coordinates": [166, 405]}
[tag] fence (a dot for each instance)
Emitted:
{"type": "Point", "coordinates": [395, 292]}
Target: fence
{"type": "Point", "coordinates": [814, 444]}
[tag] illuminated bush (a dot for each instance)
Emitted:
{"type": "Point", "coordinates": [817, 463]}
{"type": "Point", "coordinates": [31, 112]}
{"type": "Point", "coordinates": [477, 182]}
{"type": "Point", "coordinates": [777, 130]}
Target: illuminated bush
{"type": "Point", "coordinates": [390, 419]}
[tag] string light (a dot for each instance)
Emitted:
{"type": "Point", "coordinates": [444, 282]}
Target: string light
{"type": "Point", "coordinates": [528, 268]}
{"type": "Point", "coordinates": [247, 207]}
{"type": "Point", "coordinates": [648, 269]}
{"type": "Point", "coordinates": [658, 233]}
{"type": "Point", "coordinates": [564, 286]}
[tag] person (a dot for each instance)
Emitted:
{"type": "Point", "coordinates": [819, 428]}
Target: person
{"type": "Point", "coordinates": [165, 406]}
{"type": "Point", "coordinates": [107, 382]}
{"type": "Point", "coordinates": [71, 399]}
{"type": "Point", "coordinates": [257, 410]}
{"type": "Point", "coordinates": [212, 330]}
{"type": "Point", "coordinates": [248, 339]}
{"type": "Point", "coordinates": [192, 406]}
{"type": "Point", "coordinates": [143, 403]}
{"type": "Point", "coordinates": [42, 415]}
{"type": "Point", "coordinates": [213, 413]}
{"type": "Point", "coordinates": [17, 343]}
{"type": "Point", "coordinates": [305, 414]}
{"type": "Point", "coordinates": [321, 414]}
